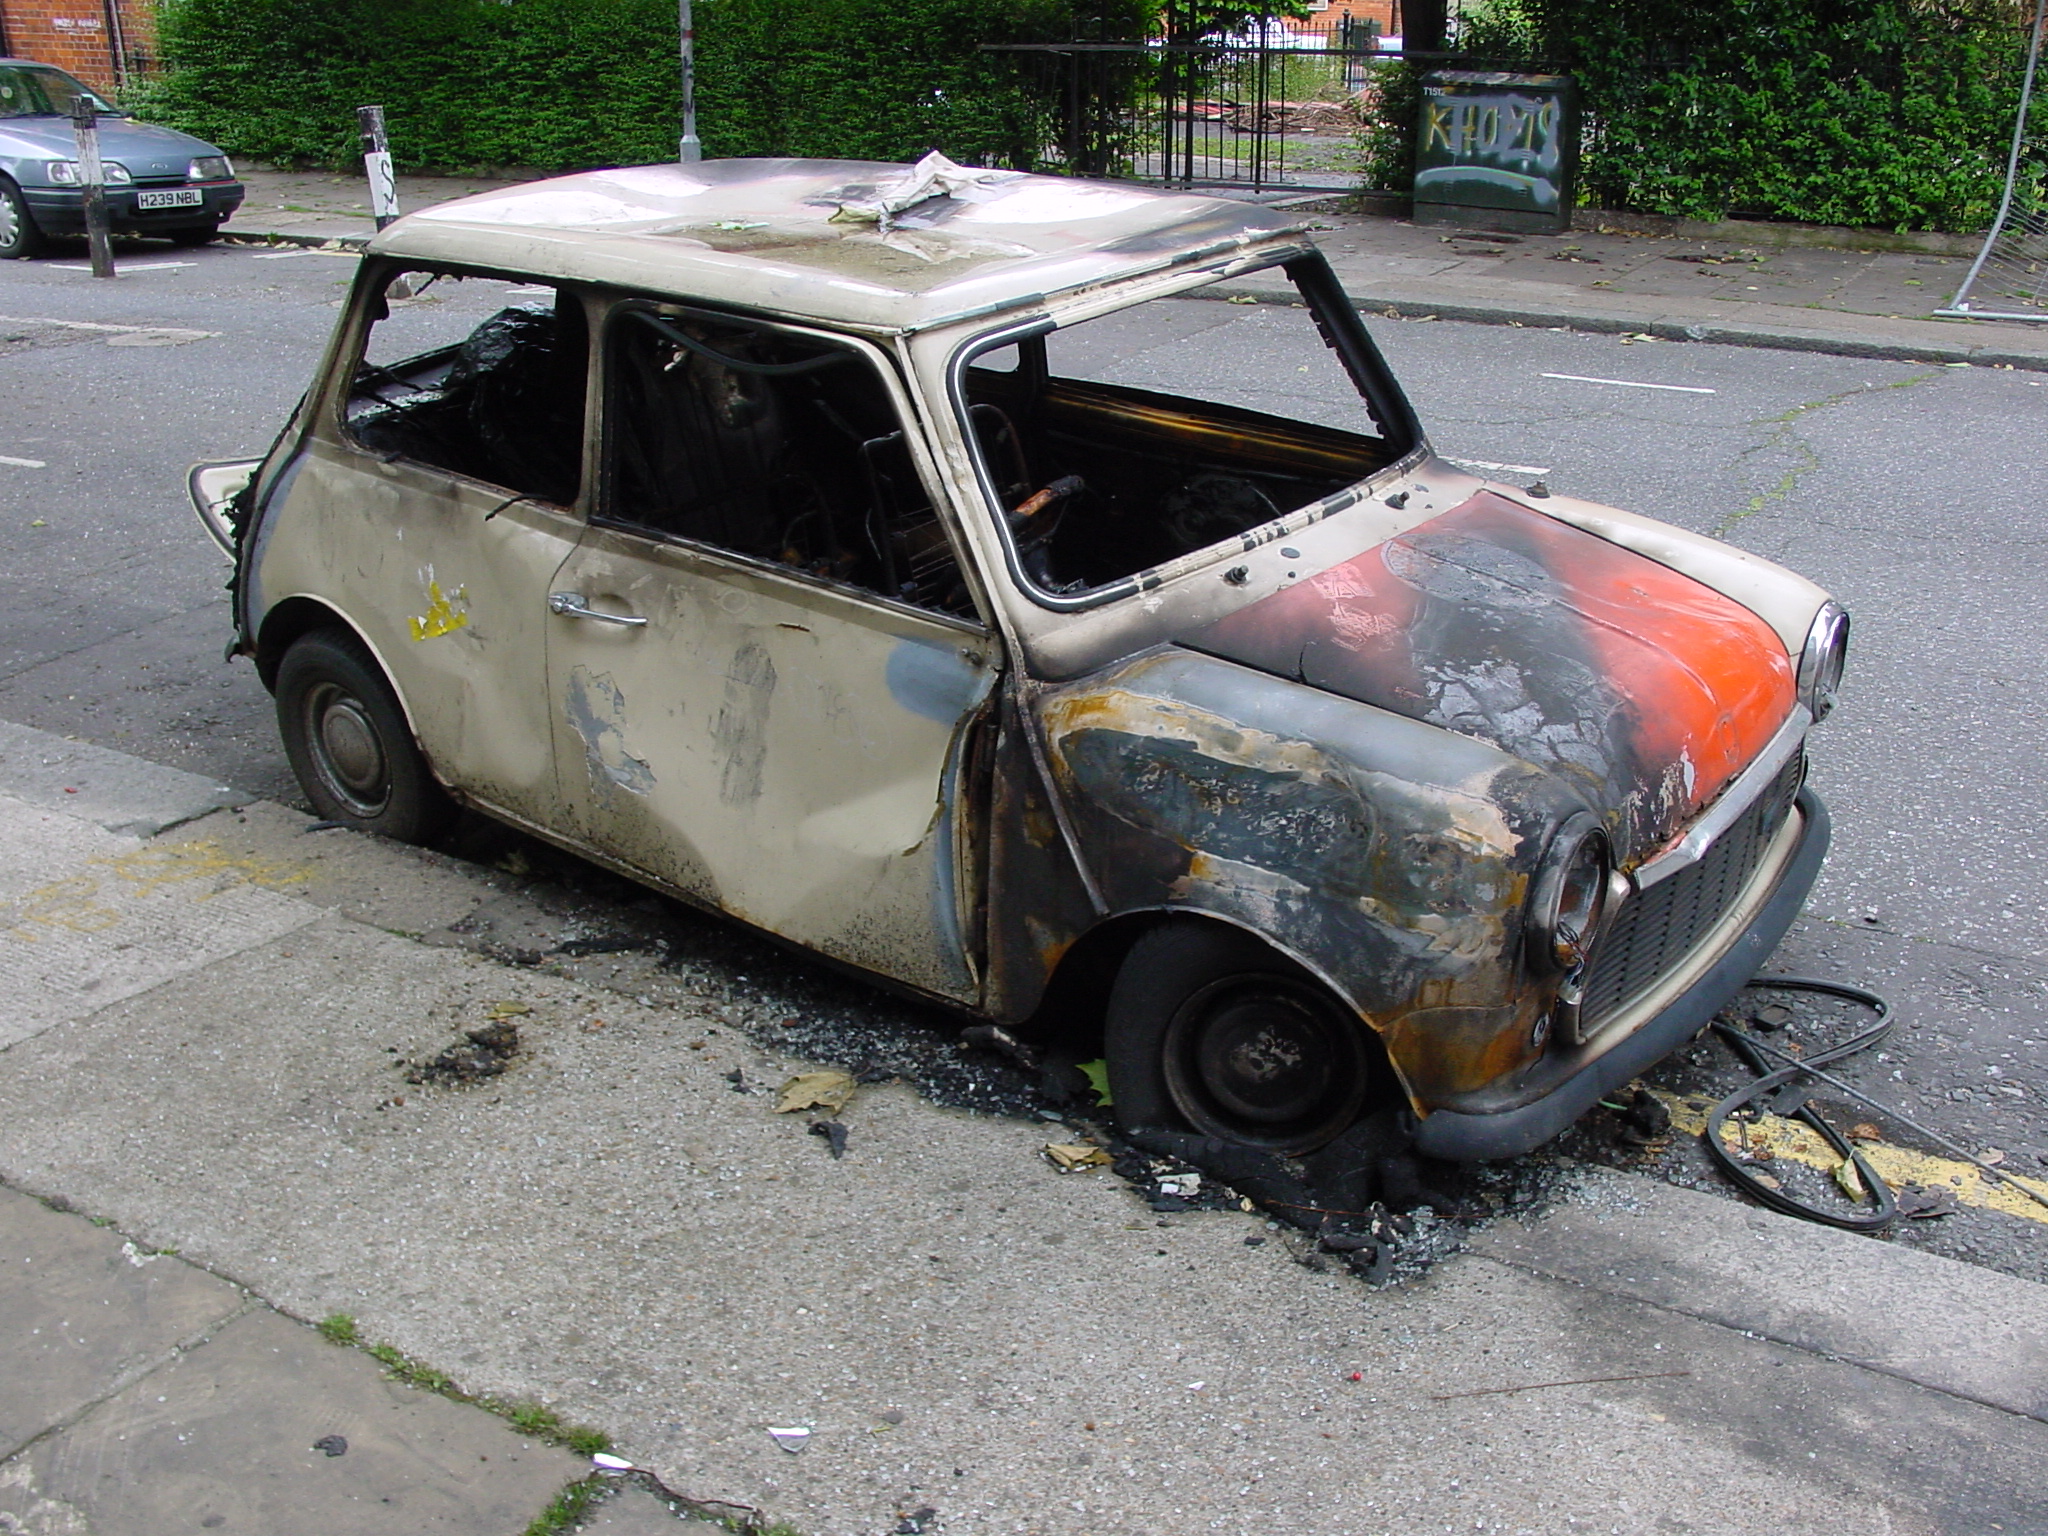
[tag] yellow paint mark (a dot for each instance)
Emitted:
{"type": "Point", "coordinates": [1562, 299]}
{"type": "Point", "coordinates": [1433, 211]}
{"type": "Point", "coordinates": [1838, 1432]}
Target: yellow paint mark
{"type": "Point", "coordinates": [150, 869]}
{"type": "Point", "coordinates": [1898, 1166]}
{"type": "Point", "coordinates": [79, 903]}
{"type": "Point", "coordinates": [67, 903]}
{"type": "Point", "coordinates": [442, 617]}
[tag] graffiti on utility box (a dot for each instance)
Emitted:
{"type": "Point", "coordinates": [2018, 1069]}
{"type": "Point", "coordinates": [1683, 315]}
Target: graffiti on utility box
{"type": "Point", "coordinates": [1496, 150]}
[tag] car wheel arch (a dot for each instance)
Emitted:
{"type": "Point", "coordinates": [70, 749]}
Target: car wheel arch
{"type": "Point", "coordinates": [292, 617]}
{"type": "Point", "coordinates": [1075, 1001]}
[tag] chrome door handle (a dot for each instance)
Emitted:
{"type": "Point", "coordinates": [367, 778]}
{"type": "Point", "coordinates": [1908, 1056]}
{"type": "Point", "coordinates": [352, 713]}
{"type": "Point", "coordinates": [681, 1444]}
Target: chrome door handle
{"type": "Point", "coordinates": [570, 605]}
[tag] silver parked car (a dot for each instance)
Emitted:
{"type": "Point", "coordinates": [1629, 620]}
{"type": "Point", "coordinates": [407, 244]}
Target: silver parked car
{"type": "Point", "coordinates": [858, 551]}
{"type": "Point", "coordinates": [159, 181]}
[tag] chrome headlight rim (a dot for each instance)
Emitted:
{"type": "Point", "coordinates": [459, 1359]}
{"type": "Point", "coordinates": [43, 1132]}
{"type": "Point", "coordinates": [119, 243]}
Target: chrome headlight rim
{"type": "Point", "coordinates": [1569, 896]}
{"type": "Point", "coordinates": [1824, 659]}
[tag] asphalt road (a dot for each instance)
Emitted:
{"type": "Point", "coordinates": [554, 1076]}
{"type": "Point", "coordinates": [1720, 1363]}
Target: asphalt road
{"type": "Point", "coordinates": [1910, 491]}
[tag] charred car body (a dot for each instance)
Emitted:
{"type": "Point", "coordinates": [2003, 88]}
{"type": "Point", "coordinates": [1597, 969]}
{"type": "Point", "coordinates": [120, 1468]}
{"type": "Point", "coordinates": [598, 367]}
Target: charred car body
{"type": "Point", "coordinates": [821, 543]}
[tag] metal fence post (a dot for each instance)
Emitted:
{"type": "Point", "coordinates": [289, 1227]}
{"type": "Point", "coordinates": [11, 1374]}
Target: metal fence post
{"type": "Point", "coordinates": [691, 150]}
{"type": "Point", "coordinates": [377, 165]}
{"type": "Point", "coordinates": [92, 185]}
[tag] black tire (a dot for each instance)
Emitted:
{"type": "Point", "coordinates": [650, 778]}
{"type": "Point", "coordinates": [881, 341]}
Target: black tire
{"type": "Point", "coordinates": [19, 235]}
{"type": "Point", "coordinates": [349, 744]}
{"type": "Point", "coordinates": [1210, 1031]}
{"type": "Point", "coordinates": [198, 234]}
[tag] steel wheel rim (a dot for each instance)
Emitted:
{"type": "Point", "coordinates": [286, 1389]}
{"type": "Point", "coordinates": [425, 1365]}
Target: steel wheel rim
{"type": "Point", "coordinates": [348, 749]}
{"type": "Point", "coordinates": [1267, 1061]}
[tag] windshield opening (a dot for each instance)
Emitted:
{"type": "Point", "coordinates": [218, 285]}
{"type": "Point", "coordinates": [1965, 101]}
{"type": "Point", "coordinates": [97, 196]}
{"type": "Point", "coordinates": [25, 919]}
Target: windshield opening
{"type": "Point", "coordinates": [36, 90]}
{"type": "Point", "coordinates": [1122, 444]}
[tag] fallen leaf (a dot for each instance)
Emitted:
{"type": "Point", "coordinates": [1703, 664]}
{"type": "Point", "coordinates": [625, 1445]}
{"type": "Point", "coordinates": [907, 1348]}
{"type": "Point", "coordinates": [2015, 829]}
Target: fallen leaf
{"type": "Point", "coordinates": [1767, 1181]}
{"type": "Point", "coordinates": [508, 1010]}
{"type": "Point", "coordinates": [1097, 1073]}
{"type": "Point", "coordinates": [1071, 1156]}
{"type": "Point", "coordinates": [829, 1091]}
{"type": "Point", "coordinates": [1865, 1132]}
{"type": "Point", "coordinates": [1991, 1157]}
{"type": "Point", "coordinates": [1848, 1180]}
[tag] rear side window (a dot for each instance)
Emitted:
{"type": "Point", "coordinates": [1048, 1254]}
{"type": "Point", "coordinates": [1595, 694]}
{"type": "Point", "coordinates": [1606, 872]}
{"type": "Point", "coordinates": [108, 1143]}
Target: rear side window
{"type": "Point", "coordinates": [478, 376]}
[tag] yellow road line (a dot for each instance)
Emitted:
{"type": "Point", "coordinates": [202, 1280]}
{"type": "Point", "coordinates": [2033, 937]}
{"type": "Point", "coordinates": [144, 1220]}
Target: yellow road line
{"type": "Point", "coordinates": [1897, 1166]}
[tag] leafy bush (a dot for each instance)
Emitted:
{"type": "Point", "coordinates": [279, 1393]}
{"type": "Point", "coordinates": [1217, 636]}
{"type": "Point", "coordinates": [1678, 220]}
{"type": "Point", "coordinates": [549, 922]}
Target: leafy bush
{"type": "Point", "coordinates": [1890, 113]}
{"type": "Point", "coordinates": [564, 84]}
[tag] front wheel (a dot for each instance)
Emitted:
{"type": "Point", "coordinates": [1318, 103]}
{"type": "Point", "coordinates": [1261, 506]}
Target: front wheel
{"type": "Point", "coordinates": [1211, 1031]}
{"type": "Point", "coordinates": [19, 236]}
{"type": "Point", "coordinates": [349, 743]}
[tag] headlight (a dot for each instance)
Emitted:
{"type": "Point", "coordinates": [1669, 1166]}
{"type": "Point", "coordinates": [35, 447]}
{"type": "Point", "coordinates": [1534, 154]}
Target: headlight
{"type": "Point", "coordinates": [1568, 898]}
{"type": "Point", "coordinates": [1821, 663]}
{"type": "Point", "coordinates": [209, 168]}
{"type": "Point", "coordinates": [65, 173]}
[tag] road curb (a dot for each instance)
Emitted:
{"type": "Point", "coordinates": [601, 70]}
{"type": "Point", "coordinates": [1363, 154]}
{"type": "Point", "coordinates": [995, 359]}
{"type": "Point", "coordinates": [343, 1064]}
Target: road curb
{"type": "Point", "coordinates": [1779, 338]}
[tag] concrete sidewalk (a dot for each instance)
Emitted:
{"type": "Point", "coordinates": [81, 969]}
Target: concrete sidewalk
{"type": "Point", "coordinates": [205, 1012]}
{"type": "Point", "coordinates": [1750, 285]}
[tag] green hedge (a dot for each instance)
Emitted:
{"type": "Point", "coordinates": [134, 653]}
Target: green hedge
{"type": "Point", "coordinates": [1878, 113]}
{"type": "Point", "coordinates": [565, 84]}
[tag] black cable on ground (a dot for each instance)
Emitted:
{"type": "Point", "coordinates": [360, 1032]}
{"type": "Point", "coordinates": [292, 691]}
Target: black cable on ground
{"type": "Point", "coordinates": [1782, 1091]}
{"type": "Point", "coordinates": [1782, 1086]}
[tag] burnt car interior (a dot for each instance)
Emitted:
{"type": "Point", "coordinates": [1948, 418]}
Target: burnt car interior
{"type": "Point", "coordinates": [504, 405]}
{"type": "Point", "coordinates": [775, 446]}
{"type": "Point", "coordinates": [1101, 477]}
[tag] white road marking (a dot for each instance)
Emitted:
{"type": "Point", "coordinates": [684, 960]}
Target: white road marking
{"type": "Point", "coordinates": [119, 330]}
{"type": "Point", "coordinates": [23, 463]}
{"type": "Point", "coordinates": [1505, 469]}
{"type": "Point", "coordinates": [1580, 378]}
{"type": "Point", "coordinates": [147, 266]}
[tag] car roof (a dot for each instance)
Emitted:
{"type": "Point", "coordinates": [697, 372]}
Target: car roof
{"type": "Point", "coordinates": [771, 235]}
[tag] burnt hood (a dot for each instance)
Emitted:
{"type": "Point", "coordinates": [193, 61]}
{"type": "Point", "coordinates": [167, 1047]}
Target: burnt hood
{"type": "Point", "coordinates": [1644, 688]}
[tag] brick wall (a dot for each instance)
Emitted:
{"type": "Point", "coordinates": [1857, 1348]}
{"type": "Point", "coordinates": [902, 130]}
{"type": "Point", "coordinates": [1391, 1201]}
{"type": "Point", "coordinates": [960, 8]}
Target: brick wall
{"type": "Point", "coordinates": [101, 41]}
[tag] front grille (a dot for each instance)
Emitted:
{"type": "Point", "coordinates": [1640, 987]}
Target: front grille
{"type": "Point", "coordinates": [1656, 930]}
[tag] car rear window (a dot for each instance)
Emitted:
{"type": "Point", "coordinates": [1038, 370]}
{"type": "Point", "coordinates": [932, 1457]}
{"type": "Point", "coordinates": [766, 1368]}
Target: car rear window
{"type": "Point", "coordinates": [37, 91]}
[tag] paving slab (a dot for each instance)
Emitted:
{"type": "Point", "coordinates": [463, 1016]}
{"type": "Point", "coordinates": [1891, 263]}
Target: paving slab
{"type": "Point", "coordinates": [112, 789]}
{"type": "Point", "coordinates": [89, 916]}
{"type": "Point", "coordinates": [1973, 1333]}
{"type": "Point", "coordinates": [269, 1430]}
{"type": "Point", "coordinates": [85, 1312]}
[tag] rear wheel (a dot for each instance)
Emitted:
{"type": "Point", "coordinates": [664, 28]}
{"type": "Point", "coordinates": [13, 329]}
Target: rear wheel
{"type": "Point", "coordinates": [349, 744]}
{"type": "Point", "coordinates": [1211, 1031]}
{"type": "Point", "coordinates": [18, 233]}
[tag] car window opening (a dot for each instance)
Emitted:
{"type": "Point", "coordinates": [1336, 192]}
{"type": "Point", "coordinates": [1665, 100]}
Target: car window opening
{"type": "Point", "coordinates": [503, 405]}
{"type": "Point", "coordinates": [1112, 452]}
{"type": "Point", "coordinates": [777, 447]}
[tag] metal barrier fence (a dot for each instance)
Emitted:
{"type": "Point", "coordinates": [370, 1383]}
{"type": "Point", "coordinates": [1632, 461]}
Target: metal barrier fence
{"type": "Point", "coordinates": [1267, 109]}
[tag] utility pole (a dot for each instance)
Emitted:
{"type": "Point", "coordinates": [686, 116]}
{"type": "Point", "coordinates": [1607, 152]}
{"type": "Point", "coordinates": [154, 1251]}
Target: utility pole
{"type": "Point", "coordinates": [92, 185]}
{"type": "Point", "coordinates": [692, 151]}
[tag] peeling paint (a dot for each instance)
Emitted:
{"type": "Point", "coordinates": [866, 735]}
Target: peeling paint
{"type": "Point", "coordinates": [446, 613]}
{"type": "Point", "coordinates": [597, 713]}
{"type": "Point", "coordinates": [740, 734]}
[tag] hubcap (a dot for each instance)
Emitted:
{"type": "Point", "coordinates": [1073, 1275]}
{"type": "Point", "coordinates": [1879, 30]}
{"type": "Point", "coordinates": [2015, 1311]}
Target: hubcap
{"type": "Point", "coordinates": [349, 752]}
{"type": "Point", "coordinates": [1268, 1061]}
{"type": "Point", "coordinates": [10, 221]}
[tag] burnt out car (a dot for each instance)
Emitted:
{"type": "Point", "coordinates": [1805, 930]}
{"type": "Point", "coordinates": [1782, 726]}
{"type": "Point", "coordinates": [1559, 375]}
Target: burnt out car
{"type": "Point", "coordinates": [862, 553]}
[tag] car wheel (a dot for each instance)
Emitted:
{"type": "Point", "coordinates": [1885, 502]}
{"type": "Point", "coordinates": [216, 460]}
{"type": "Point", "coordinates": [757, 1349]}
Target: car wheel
{"type": "Point", "coordinates": [349, 744]}
{"type": "Point", "coordinates": [198, 234]}
{"type": "Point", "coordinates": [1211, 1031]}
{"type": "Point", "coordinates": [18, 233]}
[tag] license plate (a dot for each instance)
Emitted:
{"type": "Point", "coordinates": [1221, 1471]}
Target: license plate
{"type": "Point", "coordinates": [181, 197]}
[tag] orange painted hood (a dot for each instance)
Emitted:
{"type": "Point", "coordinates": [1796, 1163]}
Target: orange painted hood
{"type": "Point", "coordinates": [1646, 689]}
